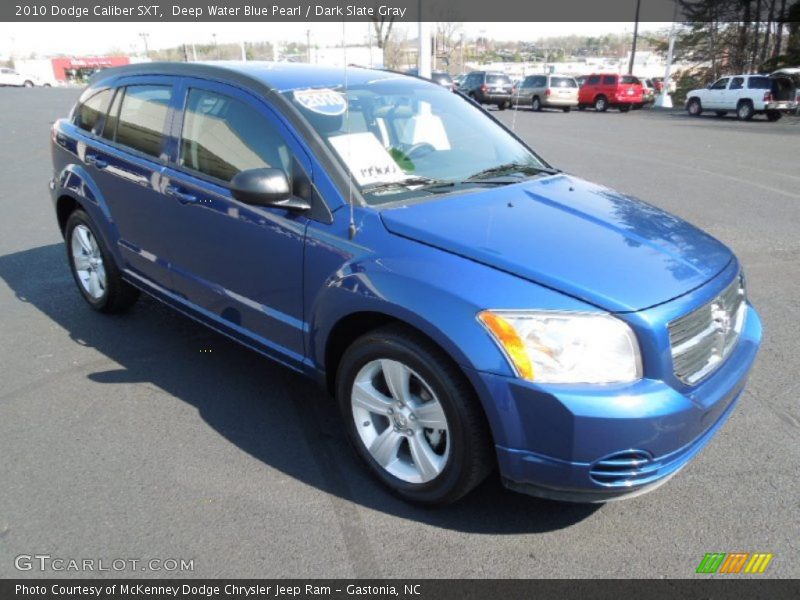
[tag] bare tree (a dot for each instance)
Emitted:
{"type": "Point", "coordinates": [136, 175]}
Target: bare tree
{"type": "Point", "coordinates": [383, 29]}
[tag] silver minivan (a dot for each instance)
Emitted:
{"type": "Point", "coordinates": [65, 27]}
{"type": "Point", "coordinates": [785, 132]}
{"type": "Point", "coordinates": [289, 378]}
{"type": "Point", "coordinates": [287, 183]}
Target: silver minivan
{"type": "Point", "coordinates": [547, 91]}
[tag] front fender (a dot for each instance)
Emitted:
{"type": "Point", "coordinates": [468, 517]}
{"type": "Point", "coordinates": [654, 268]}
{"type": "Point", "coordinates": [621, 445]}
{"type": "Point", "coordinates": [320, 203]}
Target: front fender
{"type": "Point", "coordinates": [75, 182]}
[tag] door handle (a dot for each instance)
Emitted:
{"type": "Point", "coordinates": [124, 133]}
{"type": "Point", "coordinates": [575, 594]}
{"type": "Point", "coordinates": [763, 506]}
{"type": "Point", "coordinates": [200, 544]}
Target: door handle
{"type": "Point", "coordinates": [183, 197]}
{"type": "Point", "coordinates": [92, 159]}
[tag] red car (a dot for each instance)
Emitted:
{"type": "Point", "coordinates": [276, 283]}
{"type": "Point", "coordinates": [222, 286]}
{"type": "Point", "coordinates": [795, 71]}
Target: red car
{"type": "Point", "coordinates": [602, 90]}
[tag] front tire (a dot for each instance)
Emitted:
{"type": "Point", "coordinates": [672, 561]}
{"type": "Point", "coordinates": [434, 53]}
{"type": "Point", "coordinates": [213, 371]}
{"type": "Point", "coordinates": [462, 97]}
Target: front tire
{"type": "Point", "coordinates": [694, 108]}
{"type": "Point", "coordinates": [28, 84]}
{"type": "Point", "coordinates": [536, 104]}
{"type": "Point", "coordinates": [566, 109]}
{"type": "Point", "coordinates": [93, 268]}
{"type": "Point", "coordinates": [412, 416]}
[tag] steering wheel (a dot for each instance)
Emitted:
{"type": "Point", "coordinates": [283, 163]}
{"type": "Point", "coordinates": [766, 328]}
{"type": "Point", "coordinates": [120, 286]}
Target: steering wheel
{"type": "Point", "coordinates": [419, 150]}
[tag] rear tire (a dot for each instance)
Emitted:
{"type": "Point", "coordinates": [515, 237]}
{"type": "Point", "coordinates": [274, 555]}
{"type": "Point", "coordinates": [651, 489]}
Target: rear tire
{"type": "Point", "coordinates": [624, 108]}
{"type": "Point", "coordinates": [96, 275]}
{"type": "Point", "coordinates": [428, 465]}
{"type": "Point", "coordinates": [601, 104]}
{"type": "Point", "coordinates": [567, 109]}
{"type": "Point", "coordinates": [745, 111]}
{"type": "Point", "coordinates": [502, 105]}
{"type": "Point", "coordinates": [773, 115]}
{"type": "Point", "coordinates": [28, 84]}
{"type": "Point", "coordinates": [694, 108]}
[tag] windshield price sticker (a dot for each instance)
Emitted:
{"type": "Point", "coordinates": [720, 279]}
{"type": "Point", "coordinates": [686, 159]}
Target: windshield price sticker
{"type": "Point", "coordinates": [322, 101]}
{"type": "Point", "coordinates": [367, 159]}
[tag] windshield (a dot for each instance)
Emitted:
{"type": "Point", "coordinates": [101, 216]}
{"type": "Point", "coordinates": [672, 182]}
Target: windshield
{"type": "Point", "coordinates": [404, 139]}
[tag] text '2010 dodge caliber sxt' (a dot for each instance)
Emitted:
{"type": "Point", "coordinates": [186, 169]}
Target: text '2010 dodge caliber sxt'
{"type": "Point", "coordinates": [469, 306]}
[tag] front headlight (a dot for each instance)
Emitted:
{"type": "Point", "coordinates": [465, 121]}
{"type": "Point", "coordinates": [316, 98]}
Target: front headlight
{"type": "Point", "coordinates": [555, 347]}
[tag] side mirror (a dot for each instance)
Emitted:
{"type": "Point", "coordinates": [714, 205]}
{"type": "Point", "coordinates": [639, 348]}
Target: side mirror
{"type": "Point", "coordinates": [266, 187]}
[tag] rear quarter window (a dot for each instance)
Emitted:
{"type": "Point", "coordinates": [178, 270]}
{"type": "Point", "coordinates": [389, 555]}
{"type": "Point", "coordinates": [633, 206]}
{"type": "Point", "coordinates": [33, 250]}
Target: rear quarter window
{"type": "Point", "coordinates": [142, 117]}
{"type": "Point", "coordinates": [609, 80]}
{"type": "Point", "coordinates": [759, 83]}
{"type": "Point", "coordinates": [89, 111]}
{"type": "Point", "coordinates": [629, 79]}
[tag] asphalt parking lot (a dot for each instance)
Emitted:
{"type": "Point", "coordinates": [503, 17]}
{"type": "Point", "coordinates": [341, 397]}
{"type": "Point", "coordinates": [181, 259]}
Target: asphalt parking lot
{"type": "Point", "coordinates": [148, 436]}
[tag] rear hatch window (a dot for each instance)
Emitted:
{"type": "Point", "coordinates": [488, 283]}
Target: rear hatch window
{"type": "Point", "coordinates": [498, 81]}
{"type": "Point", "coordinates": [629, 79]}
{"type": "Point", "coordinates": [442, 78]}
{"type": "Point", "coordinates": [563, 82]}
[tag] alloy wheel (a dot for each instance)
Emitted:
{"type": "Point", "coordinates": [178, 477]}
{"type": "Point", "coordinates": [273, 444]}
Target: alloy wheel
{"type": "Point", "coordinates": [88, 262]}
{"type": "Point", "coordinates": [400, 421]}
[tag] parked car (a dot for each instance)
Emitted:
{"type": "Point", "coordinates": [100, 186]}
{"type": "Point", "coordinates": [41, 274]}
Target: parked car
{"type": "Point", "coordinates": [648, 92]}
{"type": "Point", "coordinates": [547, 91]}
{"type": "Point", "coordinates": [468, 306]}
{"type": "Point", "coordinates": [441, 77]}
{"type": "Point", "coordinates": [658, 82]}
{"type": "Point", "coordinates": [604, 90]}
{"type": "Point", "coordinates": [488, 87]}
{"type": "Point", "coordinates": [10, 77]}
{"type": "Point", "coordinates": [746, 95]}
{"type": "Point", "coordinates": [459, 79]}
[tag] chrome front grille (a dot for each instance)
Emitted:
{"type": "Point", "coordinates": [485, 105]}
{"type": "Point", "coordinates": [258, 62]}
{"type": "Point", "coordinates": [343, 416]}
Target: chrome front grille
{"type": "Point", "coordinates": [701, 340]}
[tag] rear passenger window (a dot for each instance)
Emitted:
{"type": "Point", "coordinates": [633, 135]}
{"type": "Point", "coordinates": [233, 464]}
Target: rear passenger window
{"type": "Point", "coordinates": [609, 80]}
{"type": "Point", "coordinates": [89, 112]}
{"type": "Point", "coordinates": [563, 82]}
{"type": "Point", "coordinates": [593, 80]}
{"type": "Point", "coordinates": [142, 117]}
{"type": "Point", "coordinates": [222, 136]}
{"type": "Point", "coordinates": [737, 83]}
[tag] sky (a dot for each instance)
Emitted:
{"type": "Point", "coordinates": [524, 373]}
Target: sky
{"type": "Point", "coordinates": [22, 39]}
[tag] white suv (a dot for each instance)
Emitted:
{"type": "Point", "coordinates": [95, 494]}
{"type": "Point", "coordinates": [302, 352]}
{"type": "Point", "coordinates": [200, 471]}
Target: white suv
{"type": "Point", "coordinates": [11, 77]}
{"type": "Point", "coordinates": [748, 95]}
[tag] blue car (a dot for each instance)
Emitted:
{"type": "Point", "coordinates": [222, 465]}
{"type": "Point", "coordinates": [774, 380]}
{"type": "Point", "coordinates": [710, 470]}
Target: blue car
{"type": "Point", "coordinates": [468, 306]}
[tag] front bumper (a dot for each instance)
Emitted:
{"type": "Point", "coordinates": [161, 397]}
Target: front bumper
{"type": "Point", "coordinates": [599, 443]}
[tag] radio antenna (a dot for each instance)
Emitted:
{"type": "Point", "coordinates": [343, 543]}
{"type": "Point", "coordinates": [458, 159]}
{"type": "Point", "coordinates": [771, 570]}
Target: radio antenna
{"type": "Point", "coordinates": [351, 229]}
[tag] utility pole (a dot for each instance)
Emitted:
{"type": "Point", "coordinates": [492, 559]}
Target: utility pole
{"type": "Point", "coordinates": [144, 37]}
{"type": "Point", "coordinates": [216, 48]}
{"type": "Point", "coordinates": [308, 46]}
{"type": "Point", "coordinates": [664, 100]}
{"type": "Point", "coordinates": [424, 50]}
{"type": "Point", "coordinates": [244, 51]}
{"type": "Point", "coordinates": [635, 36]}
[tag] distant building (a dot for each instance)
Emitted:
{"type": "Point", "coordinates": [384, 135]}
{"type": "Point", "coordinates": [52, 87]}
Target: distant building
{"type": "Point", "coordinates": [68, 69]}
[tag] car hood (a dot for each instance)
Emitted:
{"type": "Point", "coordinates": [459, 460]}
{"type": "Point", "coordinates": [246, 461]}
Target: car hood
{"type": "Point", "coordinates": [582, 239]}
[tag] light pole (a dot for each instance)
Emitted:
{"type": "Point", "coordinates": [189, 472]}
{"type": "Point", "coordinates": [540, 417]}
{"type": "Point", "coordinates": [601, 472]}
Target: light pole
{"type": "Point", "coordinates": [144, 37]}
{"type": "Point", "coordinates": [664, 100]}
{"type": "Point", "coordinates": [216, 48]}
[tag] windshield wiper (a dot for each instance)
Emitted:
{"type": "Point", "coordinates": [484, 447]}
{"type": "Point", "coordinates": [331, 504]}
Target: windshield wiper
{"type": "Point", "coordinates": [525, 169]}
{"type": "Point", "coordinates": [423, 182]}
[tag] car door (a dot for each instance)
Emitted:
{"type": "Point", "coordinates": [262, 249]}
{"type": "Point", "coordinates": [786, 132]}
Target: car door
{"type": "Point", "coordinates": [731, 96]}
{"type": "Point", "coordinates": [126, 160]}
{"type": "Point", "coordinates": [714, 96]}
{"type": "Point", "coordinates": [240, 264]}
{"type": "Point", "coordinates": [525, 91]}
